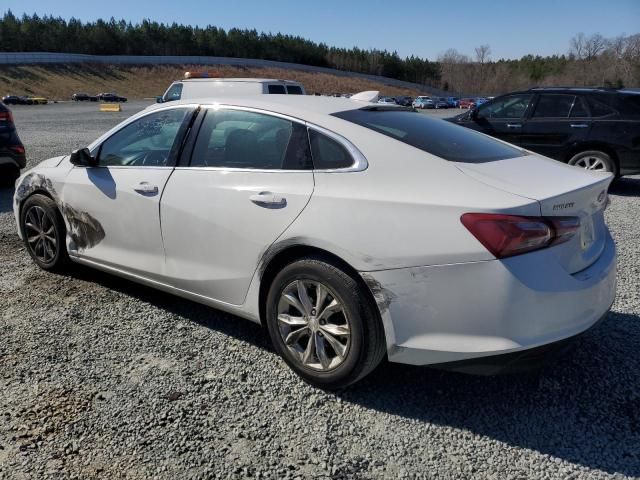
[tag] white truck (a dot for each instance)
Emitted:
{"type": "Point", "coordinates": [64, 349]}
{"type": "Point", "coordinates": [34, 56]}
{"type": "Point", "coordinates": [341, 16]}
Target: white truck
{"type": "Point", "coordinates": [202, 85]}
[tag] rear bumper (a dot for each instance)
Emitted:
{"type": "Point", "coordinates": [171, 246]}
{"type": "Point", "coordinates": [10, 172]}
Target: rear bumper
{"type": "Point", "coordinates": [456, 312]}
{"type": "Point", "coordinates": [515, 362]}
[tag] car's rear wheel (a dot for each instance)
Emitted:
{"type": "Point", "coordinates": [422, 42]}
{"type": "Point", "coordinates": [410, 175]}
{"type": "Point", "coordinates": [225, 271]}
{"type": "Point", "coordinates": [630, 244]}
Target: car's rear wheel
{"type": "Point", "coordinates": [593, 160]}
{"type": "Point", "coordinates": [43, 233]}
{"type": "Point", "coordinates": [323, 324]}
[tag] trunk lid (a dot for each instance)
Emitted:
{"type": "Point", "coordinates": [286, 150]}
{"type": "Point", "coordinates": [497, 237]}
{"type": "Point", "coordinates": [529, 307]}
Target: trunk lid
{"type": "Point", "coordinates": [561, 191]}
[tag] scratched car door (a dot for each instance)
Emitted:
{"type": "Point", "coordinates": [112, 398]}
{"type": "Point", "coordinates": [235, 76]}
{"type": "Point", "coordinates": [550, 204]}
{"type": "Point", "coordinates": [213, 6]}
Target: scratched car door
{"type": "Point", "coordinates": [112, 210]}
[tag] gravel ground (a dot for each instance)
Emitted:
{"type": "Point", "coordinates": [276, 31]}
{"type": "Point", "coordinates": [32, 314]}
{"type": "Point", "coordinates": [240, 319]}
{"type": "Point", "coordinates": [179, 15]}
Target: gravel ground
{"type": "Point", "coordinates": [103, 378]}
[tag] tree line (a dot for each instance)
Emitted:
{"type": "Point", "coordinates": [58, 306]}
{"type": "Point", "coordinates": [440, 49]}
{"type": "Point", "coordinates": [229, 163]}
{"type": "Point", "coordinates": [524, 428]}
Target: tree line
{"type": "Point", "coordinates": [31, 33]}
{"type": "Point", "coordinates": [591, 60]}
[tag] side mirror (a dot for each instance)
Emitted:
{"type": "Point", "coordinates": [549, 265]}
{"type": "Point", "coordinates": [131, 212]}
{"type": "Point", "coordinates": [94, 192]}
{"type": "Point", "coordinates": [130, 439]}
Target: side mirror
{"type": "Point", "coordinates": [159, 99]}
{"type": "Point", "coordinates": [473, 114]}
{"type": "Point", "coordinates": [82, 157]}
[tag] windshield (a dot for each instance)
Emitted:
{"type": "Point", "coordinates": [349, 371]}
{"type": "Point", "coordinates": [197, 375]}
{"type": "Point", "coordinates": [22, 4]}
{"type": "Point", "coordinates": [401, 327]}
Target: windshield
{"type": "Point", "coordinates": [435, 136]}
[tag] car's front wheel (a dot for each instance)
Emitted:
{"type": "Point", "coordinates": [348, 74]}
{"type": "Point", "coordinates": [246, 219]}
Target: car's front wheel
{"type": "Point", "coordinates": [593, 160]}
{"type": "Point", "coordinates": [323, 324]}
{"type": "Point", "coordinates": [43, 233]}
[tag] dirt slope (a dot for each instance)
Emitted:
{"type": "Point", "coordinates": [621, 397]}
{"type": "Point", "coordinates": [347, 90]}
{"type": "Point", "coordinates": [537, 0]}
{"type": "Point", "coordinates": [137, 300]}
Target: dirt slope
{"type": "Point", "coordinates": [59, 82]}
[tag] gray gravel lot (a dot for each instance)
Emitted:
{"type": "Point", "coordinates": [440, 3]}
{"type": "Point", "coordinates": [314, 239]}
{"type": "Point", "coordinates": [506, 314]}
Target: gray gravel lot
{"type": "Point", "coordinates": [103, 378]}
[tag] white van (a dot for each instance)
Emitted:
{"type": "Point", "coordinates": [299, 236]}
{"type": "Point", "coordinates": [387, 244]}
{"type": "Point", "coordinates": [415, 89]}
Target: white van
{"type": "Point", "coordinates": [196, 85]}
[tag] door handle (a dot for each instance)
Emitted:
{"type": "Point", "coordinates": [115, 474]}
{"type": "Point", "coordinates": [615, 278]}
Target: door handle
{"type": "Point", "coordinates": [514, 125]}
{"type": "Point", "coordinates": [268, 199]}
{"type": "Point", "coordinates": [578, 125]}
{"type": "Point", "coordinates": [146, 188]}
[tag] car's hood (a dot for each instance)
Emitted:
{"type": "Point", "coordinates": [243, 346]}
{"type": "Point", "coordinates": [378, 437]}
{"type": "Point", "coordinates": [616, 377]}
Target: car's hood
{"type": "Point", "coordinates": [52, 162]}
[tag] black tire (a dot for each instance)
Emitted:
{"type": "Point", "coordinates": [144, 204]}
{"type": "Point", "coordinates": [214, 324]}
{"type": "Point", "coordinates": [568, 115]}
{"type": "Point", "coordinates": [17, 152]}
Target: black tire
{"type": "Point", "coordinates": [582, 159]}
{"type": "Point", "coordinates": [54, 223]}
{"type": "Point", "coordinates": [366, 343]}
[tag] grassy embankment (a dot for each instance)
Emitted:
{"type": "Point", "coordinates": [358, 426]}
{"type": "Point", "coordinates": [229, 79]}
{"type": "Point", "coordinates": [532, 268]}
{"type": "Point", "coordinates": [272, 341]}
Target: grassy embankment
{"type": "Point", "coordinates": [59, 82]}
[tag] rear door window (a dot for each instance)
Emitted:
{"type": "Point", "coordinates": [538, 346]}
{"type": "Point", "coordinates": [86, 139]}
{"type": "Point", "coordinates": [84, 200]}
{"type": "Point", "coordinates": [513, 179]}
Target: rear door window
{"type": "Point", "coordinates": [579, 108]}
{"type": "Point", "coordinates": [277, 89]}
{"type": "Point", "coordinates": [432, 135]}
{"type": "Point", "coordinates": [599, 108]}
{"type": "Point", "coordinates": [241, 139]}
{"type": "Point", "coordinates": [628, 105]}
{"type": "Point", "coordinates": [554, 106]}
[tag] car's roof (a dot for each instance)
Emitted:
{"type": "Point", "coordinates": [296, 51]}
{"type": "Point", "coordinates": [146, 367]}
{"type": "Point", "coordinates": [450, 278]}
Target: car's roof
{"type": "Point", "coordinates": [311, 108]}
{"type": "Point", "coordinates": [577, 89]}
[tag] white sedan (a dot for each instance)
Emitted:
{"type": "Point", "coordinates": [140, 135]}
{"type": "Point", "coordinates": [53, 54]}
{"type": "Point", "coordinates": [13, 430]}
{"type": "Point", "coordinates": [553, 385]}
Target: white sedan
{"type": "Point", "coordinates": [353, 231]}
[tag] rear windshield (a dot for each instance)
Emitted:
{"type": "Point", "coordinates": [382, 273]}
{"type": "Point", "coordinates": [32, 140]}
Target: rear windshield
{"type": "Point", "coordinates": [277, 89]}
{"type": "Point", "coordinates": [432, 135]}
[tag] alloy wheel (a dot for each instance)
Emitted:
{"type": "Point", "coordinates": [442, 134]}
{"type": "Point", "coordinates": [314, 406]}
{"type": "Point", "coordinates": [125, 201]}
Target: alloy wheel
{"type": "Point", "coordinates": [314, 325]}
{"type": "Point", "coordinates": [40, 234]}
{"type": "Point", "coordinates": [591, 162]}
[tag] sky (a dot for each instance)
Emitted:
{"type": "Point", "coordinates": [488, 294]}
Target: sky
{"type": "Point", "coordinates": [425, 28]}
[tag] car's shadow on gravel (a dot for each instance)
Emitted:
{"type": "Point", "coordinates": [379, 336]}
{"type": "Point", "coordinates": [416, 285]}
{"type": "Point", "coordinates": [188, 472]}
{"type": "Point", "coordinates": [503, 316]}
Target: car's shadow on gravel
{"type": "Point", "coordinates": [583, 408]}
{"type": "Point", "coordinates": [208, 317]}
{"type": "Point", "coordinates": [626, 187]}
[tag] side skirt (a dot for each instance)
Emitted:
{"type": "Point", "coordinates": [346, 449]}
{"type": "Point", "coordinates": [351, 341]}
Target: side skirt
{"type": "Point", "coordinates": [226, 307]}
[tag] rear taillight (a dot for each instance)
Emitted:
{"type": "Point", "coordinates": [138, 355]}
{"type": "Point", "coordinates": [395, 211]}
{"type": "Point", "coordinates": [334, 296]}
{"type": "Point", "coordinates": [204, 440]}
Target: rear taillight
{"type": "Point", "coordinates": [6, 117]}
{"type": "Point", "coordinates": [17, 148]}
{"type": "Point", "coordinates": [564, 228]}
{"type": "Point", "coordinates": [508, 235]}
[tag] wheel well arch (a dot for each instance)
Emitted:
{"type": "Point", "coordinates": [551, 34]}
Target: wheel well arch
{"type": "Point", "coordinates": [37, 191]}
{"type": "Point", "coordinates": [603, 147]}
{"type": "Point", "coordinates": [278, 261]}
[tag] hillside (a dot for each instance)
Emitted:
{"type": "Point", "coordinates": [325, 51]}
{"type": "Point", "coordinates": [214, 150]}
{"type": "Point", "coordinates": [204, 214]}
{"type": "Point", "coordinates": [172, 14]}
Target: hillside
{"type": "Point", "coordinates": [59, 82]}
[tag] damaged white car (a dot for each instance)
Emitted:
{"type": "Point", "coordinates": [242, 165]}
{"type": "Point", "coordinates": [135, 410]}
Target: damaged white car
{"type": "Point", "coordinates": [352, 231]}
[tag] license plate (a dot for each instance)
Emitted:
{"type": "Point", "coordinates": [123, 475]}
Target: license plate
{"type": "Point", "coordinates": [587, 232]}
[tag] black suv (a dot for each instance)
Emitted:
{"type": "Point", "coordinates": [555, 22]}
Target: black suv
{"type": "Point", "coordinates": [593, 128]}
{"type": "Point", "coordinates": [12, 157]}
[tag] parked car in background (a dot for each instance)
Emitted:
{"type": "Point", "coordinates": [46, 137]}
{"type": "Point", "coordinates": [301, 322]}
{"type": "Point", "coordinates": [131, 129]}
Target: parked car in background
{"type": "Point", "coordinates": [387, 100]}
{"type": "Point", "coordinates": [479, 101]}
{"type": "Point", "coordinates": [12, 154]}
{"type": "Point", "coordinates": [453, 102]}
{"type": "Point", "coordinates": [465, 103]}
{"type": "Point", "coordinates": [83, 97]}
{"type": "Point", "coordinates": [441, 103]}
{"type": "Point", "coordinates": [404, 100]}
{"type": "Point", "coordinates": [36, 100]}
{"type": "Point", "coordinates": [591, 128]}
{"type": "Point", "coordinates": [305, 256]}
{"type": "Point", "coordinates": [110, 97]}
{"type": "Point", "coordinates": [13, 100]}
{"type": "Point", "coordinates": [24, 100]}
{"type": "Point", "coordinates": [203, 84]}
{"type": "Point", "coordinates": [423, 103]}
